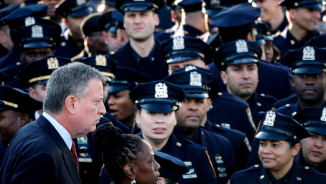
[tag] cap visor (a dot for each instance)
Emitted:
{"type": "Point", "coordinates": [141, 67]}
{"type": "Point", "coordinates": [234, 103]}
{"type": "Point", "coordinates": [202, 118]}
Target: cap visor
{"type": "Point", "coordinates": [4, 108]}
{"type": "Point", "coordinates": [317, 130]}
{"type": "Point", "coordinates": [197, 95]}
{"type": "Point", "coordinates": [260, 42]}
{"type": "Point", "coordinates": [138, 8]}
{"type": "Point", "coordinates": [212, 12]}
{"type": "Point", "coordinates": [37, 44]}
{"type": "Point", "coordinates": [82, 12]}
{"type": "Point", "coordinates": [308, 70]}
{"type": "Point", "coordinates": [158, 108]}
{"type": "Point", "coordinates": [114, 88]}
{"type": "Point", "coordinates": [312, 6]}
{"type": "Point", "coordinates": [269, 136]}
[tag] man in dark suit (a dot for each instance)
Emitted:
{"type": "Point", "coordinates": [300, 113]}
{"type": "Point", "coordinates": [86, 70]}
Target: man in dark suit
{"type": "Point", "coordinates": [43, 151]}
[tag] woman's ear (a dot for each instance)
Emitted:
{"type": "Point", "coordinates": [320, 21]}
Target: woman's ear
{"type": "Point", "coordinates": [129, 171]}
{"type": "Point", "coordinates": [296, 149]}
{"type": "Point", "coordinates": [137, 119]}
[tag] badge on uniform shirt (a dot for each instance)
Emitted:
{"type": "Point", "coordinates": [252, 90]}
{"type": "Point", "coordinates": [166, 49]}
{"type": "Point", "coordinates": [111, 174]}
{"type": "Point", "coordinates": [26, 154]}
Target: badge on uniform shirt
{"type": "Point", "coordinates": [323, 116]}
{"type": "Point", "coordinates": [308, 53]}
{"type": "Point", "coordinates": [29, 21]}
{"type": "Point", "coordinates": [81, 2]}
{"type": "Point", "coordinates": [220, 166]}
{"type": "Point", "coordinates": [188, 68]}
{"type": "Point", "coordinates": [37, 31]}
{"type": "Point", "coordinates": [241, 46]}
{"type": "Point", "coordinates": [270, 118]}
{"type": "Point", "coordinates": [161, 90]}
{"type": "Point", "coordinates": [191, 174]}
{"type": "Point", "coordinates": [195, 79]}
{"type": "Point", "coordinates": [53, 63]}
{"type": "Point", "coordinates": [178, 43]}
{"type": "Point", "coordinates": [100, 60]}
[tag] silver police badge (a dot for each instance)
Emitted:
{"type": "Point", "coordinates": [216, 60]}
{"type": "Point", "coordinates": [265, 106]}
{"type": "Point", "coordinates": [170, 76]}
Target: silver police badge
{"type": "Point", "coordinates": [308, 53]}
{"type": "Point", "coordinates": [29, 21]}
{"type": "Point", "coordinates": [241, 46]}
{"type": "Point", "coordinates": [100, 60]}
{"type": "Point", "coordinates": [188, 68]}
{"type": "Point", "coordinates": [270, 118]}
{"type": "Point", "coordinates": [161, 90]}
{"type": "Point", "coordinates": [37, 31]}
{"type": "Point", "coordinates": [178, 43]}
{"type": "Point", "coordinates": [323, 116]}
{"type": "Point", "coordinates": [53, 63]}
{"type": "Point", "coordinates": [195, 79]}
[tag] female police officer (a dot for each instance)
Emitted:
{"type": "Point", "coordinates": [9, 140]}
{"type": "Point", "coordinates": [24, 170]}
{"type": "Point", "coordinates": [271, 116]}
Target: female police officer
{"type": "Point", "coordinates": [279, 144]}
{"type": "Point", "coordinates": [157, 102]}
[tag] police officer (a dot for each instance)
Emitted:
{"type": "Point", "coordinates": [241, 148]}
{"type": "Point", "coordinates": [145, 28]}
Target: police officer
{"type": "Point", "coordinates": [272, 13]}
{"type": "Point", "coordinates": [279, 144]}
{"type": "Point", "coordinates": [74, 12]}
{"type": "Point", "coordinates": [142, 52]}
{"type": "Point", "coordinates": [36, 38]}
{"type": "Point", "coordinates": [180, 52]}
{"type": "Point", "coordinates": [34, 77]}
{"type": "Point", "coordinates": [303, 18]}
{"type": "Point", "coordinates": [122, 36]}
{"type": "Point", "coordinates": [119, 104]}
{"type": "Point", "coordinates": [16, 110]}
{"type": "Point", "coordinates": [13, 56]}
{"type": "Point", "coordinates": [157, 102]}
{"type": "Point", "coordinates": [273, 80]}
{"type": "Point", "coordinates": [313, 153]}
{"type": "Point", "coordinates": [238, 62]}
{"type": "Point", "coordinates": [110, 26]}
{"type": "Point", "coordinates": [309, 80]}
{"type": "Point", "coordinates": [196, 20]}
{"type": "Point", "coordinates": [92, 33]}
{"type": "Point", "coordinates": [192, 112]}
{"type": "Point", "coordinates": [2, 79]}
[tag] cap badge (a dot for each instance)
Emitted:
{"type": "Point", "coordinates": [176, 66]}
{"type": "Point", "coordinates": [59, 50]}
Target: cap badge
{"type": "Point", "coordinates": [270, 118]}
{"type": "Point", "coordinates": [29, 21]}
{"type": "Point", "coordinates": [195, 79]}
{"type": "Point", "coordinates": [37, 31]}
{"type": "Point", "coordinates": [241, 46]}
{"type": "Point", "coordinates": [161, 90]}
{"type": "Point", "coordinates": [308, 53]}
{"type": "Point", "coordinates": [100, 60]}
{"type": "Point", "coordinates": [81, 2]}
{"type": "Point", "coordinates": [188, 68]}
{"type": "Point", "coordinates": [53, 63]}
{"type": "Point", "coordinates": [178, 43]}
{"type": "Point", "coordinates": [323, 116]}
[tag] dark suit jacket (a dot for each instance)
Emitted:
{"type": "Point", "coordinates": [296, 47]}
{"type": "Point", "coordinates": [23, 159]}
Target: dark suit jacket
{"type": "Point", "coordinates": [38, 154]}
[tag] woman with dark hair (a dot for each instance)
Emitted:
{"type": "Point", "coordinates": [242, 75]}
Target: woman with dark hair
{"type": "Point", "coordinates": [280, 138]}
{"type": "Point", "coordinates": [127, 157]}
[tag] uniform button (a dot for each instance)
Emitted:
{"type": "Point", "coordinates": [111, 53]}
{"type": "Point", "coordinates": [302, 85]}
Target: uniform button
{"type": "Point", "coordinates": [18, 63]}
{"type": "Point", "coordinates": [287, 105]}
{"type": "Point", "coordinates": [219, 93]}
{"type": "Point", "coordinates": [262, 177]}
{"type": "Point", "coordinates": [63, 44]}
{"type": "Point", "coordinates": [294, 113]}
{"type": "Point", "coordinates": [256, 165]}
{"type": "Point", "coordinates": [217, 125]}
{"type": "Point", "coordinates": [306, 167]}
{"type": "Point", "coordinates": [262, 94]}
{"type": "Point", "coordinates": [259, 104]}
{"type": "Point", "coordinates": [178, 144]}
{"type": "Point", "coordinates": [292, 42]}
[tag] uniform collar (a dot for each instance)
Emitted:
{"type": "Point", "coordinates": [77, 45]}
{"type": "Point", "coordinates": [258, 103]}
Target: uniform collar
{"type": "Point", "coordinates": [283, 180]}
{"type": "Point", "coordinates": [294, 43]}
{"type": "Point", "coordinates": [151, 55]}
{"type": "Point", "coordinates": [190, 30]}
{"type": "Point", "coordinates": [281, 27]}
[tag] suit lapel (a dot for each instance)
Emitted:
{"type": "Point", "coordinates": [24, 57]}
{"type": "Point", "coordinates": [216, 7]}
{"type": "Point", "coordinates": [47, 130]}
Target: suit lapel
{"type": "Point", "coordinates": [67, 156]}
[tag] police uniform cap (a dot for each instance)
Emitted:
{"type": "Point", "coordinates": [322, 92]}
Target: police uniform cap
{"type": "Point", "coordinates": [118, 16]}
{"type": "Point", "coordinates": [263, 33]}
{"type": "Point", "coordinates": [42, 33]}
{"type": "Point", "coordinates": [310, 4]}
{"type": "Point", "coordinates": [213, 7]}
{"type": "Point", "coordinates": [2, 78]}
{"type": "Point", "coordinates": [194, 81]}
{"type": "Point", "coordinates": [17, 100]}
{"type": "Point", "coordinates": [237, 52]}
{"type": "Point", "coordinates": [306, 60]}
{"type": "Point", "coordinates": [38, 10]}
{"type": "Point", "coordinates": [73, 8]}
{"type": "Point", "coordinates": [91, 24]}
{"type": "Point", "coordinates": [313, 119]}
{"type": "Point", "coordinates": [172, 168]}
{"type": "Point", "coordinates": [138, 6]}
{"type": "Point", "coordinates": [107, 22]}
{"type": "Point", "coordinates": [39, 71]}
{"type": "Point", "coordinates": [103, 63]}
{"type": "Point", "coordinates": [157, 96]}
{"type": "Point", "coordinates": [276, 126]}
{"type": "Point", "coordinates": [6, 11]}
{"type": "Point", "coordinates": [192, 5]}
{"type": "Point", "coordinates": [110, 3]}
{"type": "Point", "coordinates": [126, 78]}
{"type": "Point", "coordinates": [180, 49]}
{"type": "Point", "coordinates": [237, 19]}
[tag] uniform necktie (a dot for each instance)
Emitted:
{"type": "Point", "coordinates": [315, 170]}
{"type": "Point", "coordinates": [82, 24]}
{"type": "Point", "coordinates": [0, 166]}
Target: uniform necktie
{"type": "Point", "coordinates": [74, 154]}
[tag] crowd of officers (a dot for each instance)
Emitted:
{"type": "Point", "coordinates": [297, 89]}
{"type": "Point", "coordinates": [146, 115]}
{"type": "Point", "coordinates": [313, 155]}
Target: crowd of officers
{"type": "Point", "coordinates": [233, 89]}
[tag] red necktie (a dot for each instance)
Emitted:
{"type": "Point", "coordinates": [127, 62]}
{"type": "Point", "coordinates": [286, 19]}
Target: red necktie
{"type": "Point", "coordinates": [74, 154]}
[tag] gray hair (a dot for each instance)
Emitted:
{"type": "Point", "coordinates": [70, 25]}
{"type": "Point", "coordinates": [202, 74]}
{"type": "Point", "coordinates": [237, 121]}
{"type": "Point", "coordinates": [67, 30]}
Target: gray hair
{"type": "Point", "coordinates": [71, 79]}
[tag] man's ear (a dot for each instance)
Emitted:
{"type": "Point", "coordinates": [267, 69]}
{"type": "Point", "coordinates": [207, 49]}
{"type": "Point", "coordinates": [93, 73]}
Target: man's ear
{"type": "Point", "coordinates": [31, 92]}
{"type": "Point", "coordinates": [105, 36]}
{"type": "Point", "coordinates": [137, 119]}
{"type": "Point", "coordinates": [23, 120]}
{"type": "Point", "coordinates": [70, 104]}
{"type": "Point", "coordinates": [129, 171]}
{"type": "Point", "coordinates": [157, 19]}
{"type": "Point", "coordinates": [223, 77]}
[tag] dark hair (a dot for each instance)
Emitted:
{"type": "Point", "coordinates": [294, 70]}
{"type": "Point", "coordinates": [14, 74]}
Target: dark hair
{"type": "Point", "coordinates": [291, 143]}
{"type": "Point", "coordinates": [118, 148]}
